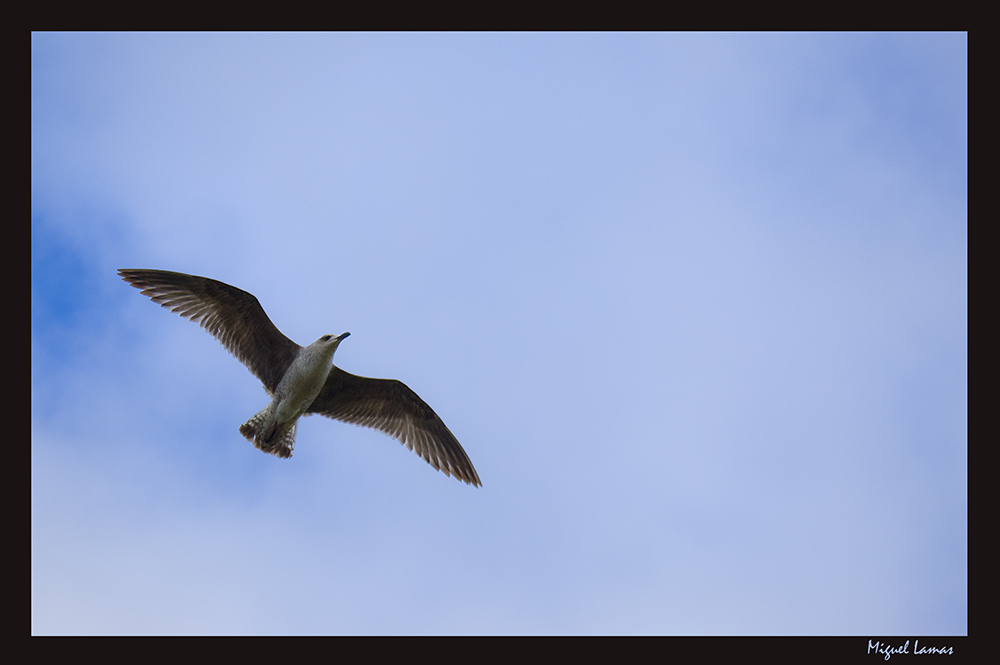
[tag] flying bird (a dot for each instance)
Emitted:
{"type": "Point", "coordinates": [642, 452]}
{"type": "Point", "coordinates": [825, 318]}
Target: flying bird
{"type": "Point", "coordinates": [302, 380]}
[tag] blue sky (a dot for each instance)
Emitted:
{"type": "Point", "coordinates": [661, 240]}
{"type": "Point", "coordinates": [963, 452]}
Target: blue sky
{"type": "Point", "coordinates": [694, 304]}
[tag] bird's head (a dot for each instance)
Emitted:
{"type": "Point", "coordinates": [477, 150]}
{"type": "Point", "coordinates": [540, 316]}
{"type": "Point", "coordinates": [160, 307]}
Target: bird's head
{"type": "Point", "coordinates": [325, 346]}
{"type": "Point", "coordinates": [331, 341]}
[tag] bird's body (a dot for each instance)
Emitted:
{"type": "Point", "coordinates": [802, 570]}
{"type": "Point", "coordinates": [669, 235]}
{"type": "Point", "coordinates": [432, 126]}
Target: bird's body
{"type": "Point", "coordinates": [272, 429]}
{"type": "Point", "coordinates": [302, 380]}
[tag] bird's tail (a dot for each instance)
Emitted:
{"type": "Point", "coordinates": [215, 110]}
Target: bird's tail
{"type": "Point", "coordinates": [264, 432]}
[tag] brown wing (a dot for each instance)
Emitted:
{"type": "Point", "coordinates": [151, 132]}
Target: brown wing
{"type": "Point", "coordinates": [390, 407]}
{"type": "Point", "coordinates": [232, 316]}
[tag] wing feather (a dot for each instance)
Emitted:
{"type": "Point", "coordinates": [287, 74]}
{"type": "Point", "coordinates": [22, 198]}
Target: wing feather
{"type": "Point", "coordinates": [391, 407]}
{"type": "Point", "coordinates": [231, 315]}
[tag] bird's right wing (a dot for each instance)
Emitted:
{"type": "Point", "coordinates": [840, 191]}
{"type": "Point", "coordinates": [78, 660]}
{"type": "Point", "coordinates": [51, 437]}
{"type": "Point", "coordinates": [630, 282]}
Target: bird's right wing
{"type": "Point", "coordinates": [232, 316]}
{"type": "Point", "coordinates": [391, 407]}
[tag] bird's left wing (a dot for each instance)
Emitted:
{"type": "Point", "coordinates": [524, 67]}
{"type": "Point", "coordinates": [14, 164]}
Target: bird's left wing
{"type": "Point", "coordinates": [231, 315]}
{"type": "Point", "coordinates": [390, 407]}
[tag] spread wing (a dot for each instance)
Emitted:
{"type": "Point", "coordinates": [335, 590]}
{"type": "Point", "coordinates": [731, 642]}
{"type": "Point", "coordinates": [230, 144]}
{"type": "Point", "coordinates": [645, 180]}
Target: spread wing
{"type": "Point", "coordinates": [232, 316]}
{"type": "Point", "coordinates": [390, 407]}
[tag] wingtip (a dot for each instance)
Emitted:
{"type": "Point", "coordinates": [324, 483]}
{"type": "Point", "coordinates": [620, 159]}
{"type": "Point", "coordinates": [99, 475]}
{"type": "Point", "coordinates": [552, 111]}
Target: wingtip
{"type": "Point", "coordinates": [129, 275]}
{"type": "Point", "coordinates": [470, 480]}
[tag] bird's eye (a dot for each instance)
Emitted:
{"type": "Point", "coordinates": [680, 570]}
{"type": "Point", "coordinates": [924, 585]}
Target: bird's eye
{"type": "Point", "coordinates": [326, 338]}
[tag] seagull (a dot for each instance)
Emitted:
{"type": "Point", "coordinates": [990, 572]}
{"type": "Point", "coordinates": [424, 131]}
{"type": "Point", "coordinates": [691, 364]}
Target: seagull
{"type": "Point", "coordinates": [302, 380]}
